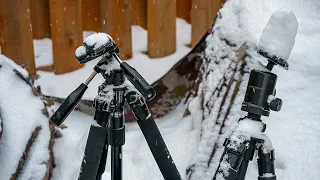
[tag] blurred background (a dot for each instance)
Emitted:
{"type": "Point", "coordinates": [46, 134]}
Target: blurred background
{"type": "Point", "coordinates": [62, 25]}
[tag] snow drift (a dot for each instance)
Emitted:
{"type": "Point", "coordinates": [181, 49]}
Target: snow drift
{"type": "Point", "coordinates": [27, 138]}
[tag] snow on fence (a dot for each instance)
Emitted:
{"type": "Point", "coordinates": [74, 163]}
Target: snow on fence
{"type": "Point", "coordinates": [64, 22]}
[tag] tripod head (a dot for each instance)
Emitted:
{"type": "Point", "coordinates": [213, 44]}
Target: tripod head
{"type": "Point", "coordinates": [276, 43]}
{"type": "Point", "coordinates": [101, 44]}
{"type": "Point", "coordinates": [94, 46]}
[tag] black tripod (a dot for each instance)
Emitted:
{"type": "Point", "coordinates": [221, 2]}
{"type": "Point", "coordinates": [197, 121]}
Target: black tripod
{"type": "Point", "coordinates": [248, 136]}
{"type": "Point", "coordinates": [108, 127]}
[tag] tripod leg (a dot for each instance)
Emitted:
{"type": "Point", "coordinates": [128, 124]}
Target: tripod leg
{"type": "Point", "coordinates": [159, 149]}
{"type": "Point", "coordinates": [243, 170]}
{"type": "Point", "coordinates": [248, 156]}
{"type": "Point", "coordinates": [116, 139]}
{"type": "Point", "coordinates": [153, 137]}
{"type": "Point", "coordinates": [103, 162]}
{"type": "Point", "coordinates": [234, 161]}
{"type": "Point", "coordinates": [116, 163]}
{"type": "Point", "coordinates": [266, 165]}
{"type": "Point", "coordinates": [95, 153]}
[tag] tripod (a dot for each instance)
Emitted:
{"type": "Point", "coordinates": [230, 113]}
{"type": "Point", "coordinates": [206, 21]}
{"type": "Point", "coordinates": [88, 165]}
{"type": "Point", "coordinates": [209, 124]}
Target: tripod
{"type": "Point", "coordinates": [248, 136]}
{"type": "Point", "coordinates": [109, 115]}
{"type": "Point", "coordinates": [108, 129]}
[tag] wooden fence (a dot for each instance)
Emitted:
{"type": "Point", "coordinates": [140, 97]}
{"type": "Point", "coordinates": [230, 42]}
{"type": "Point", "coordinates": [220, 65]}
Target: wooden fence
{"type": "Point", "coordinates": [65, 20]}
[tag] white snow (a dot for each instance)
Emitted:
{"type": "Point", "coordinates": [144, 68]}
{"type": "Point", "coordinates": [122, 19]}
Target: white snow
{"type": "Point", "coordinates": [21, 113]}
{"type": "Point", "coordinates": [80, 51]}
{"type": "Point", "coordinates": [97, 40]}
{"type": "Point", "coordinates": [270, 99]}
{"type": "Point", "coordinates": [246, 129]}
{"type": "Point", "coordinates": [43, 55]}
{"type": "Point", "coordinates": [279, 35]}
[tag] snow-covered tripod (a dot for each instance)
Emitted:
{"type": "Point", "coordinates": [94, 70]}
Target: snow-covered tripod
{"type": "Point", "coordinates": [108, 129]}
{"type": "Point", "coordinates": [276, 43]}
{"type": "Point", "coordinates": [249, 135]}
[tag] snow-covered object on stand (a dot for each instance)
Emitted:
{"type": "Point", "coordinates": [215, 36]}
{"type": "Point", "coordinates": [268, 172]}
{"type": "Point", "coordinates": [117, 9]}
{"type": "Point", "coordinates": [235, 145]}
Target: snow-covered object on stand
{"type": "Point", "coordinates": [293, 128]}
{"type": "Point", "coordinates": [278, 36]}
{"type": "Point", "coordinates": [27, 137]}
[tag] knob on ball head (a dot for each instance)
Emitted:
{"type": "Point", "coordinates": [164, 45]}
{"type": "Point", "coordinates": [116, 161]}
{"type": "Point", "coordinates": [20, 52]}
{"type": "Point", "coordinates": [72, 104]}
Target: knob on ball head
{"type": "Point", "coordinates": [259, 98]}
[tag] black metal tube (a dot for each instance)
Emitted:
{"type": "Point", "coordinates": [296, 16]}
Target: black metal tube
{"type": "Point", "coordinates": [116, 163]}
{"type": "Point", "coordinates": [159, 149]}
{"type": "Point", "coordinates": [96, 149]}
{"type": "Point", "coordinates": [270, 65]}
{"type": "Point", "coordinates": [243, 170]}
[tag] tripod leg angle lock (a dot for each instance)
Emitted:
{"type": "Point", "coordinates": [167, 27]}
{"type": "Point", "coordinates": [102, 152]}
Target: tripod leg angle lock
{"type": "Point", "coordinates": [108, 128]}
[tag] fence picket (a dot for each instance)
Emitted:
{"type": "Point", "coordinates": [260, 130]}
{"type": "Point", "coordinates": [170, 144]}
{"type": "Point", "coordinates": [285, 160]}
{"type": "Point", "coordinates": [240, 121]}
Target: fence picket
{"type": "Point", "coordinates": [66, 33]}
{"type": "Point", "coordinates": [116, 20]}
{"type": "Point", "coordinates": [91, 15]}
{"type": "Point", "coordinates": [16, 32]}
{"type": "Point", "coordinates": [203, 13]}
{"type": "Point", "coordinates": [161, 28]}
{"type": "Point", "coordinates": [40, 18]}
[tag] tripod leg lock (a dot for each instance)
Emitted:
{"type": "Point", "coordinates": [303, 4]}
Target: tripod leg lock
{"type": "Point", "coordinates": [116, 137]}
{"type": "Point", "coordinates": [138, 106]}
{"type": "Point", "coordinates": [266, 165]}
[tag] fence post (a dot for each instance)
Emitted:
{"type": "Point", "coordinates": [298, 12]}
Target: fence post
{"type": "Point", "coordinates": [184, 9]}
{"type": "Point", "coordinates": [116, 18]}
{"type": "Point", "coordinates": [16, 32]}
{"type": "Point", "coordinates": [139, 13]}
{"type": "Point", "coordinates": [40, 18]}
{"type": "Point", "coordinates": [66, 33]}
{"type": "Point", "coordinates": [91, 15]}
{"type": "Point", "coordinates": [161, 23]}
{"type": "Point", "coordinates": [203, 14]}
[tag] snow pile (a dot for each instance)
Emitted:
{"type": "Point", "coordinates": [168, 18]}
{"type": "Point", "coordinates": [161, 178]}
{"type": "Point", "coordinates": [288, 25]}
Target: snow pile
{"type": "Point", "coordinates": [43, 57]}
{"type": "Point", "coordinates": [21, 114]}
{"type": "Point", "coordinates": [97, 40]}
{"type": "Point", "coordinates": [293, 130]}
{"type": "Point", "coordinates": [279, 35]}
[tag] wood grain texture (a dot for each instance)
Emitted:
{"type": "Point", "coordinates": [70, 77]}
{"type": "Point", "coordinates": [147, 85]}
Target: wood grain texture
{"type": "Point", "coordinates": [203, 15]}
{"type": "Point", "coordinates": [66, 33]}
{"type": "Point", "coordinates": [116, 20]}
{"type": "Point", "coordinates": [161, 28]}
{"type": "Point", "coordinates": [16, 33]}
{"type": "Point", "coordinates": [91, 15]}
{"type": "Point", "coordinates": [184, 10]}
{"type": "Point", "coordinates": [40, 18]}
{"type": "Point", "coordinates": [139, 13]}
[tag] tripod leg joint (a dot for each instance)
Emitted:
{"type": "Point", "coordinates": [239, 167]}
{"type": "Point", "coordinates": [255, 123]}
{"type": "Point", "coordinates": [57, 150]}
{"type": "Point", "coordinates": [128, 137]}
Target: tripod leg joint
{"type": "Point", "coordinates": [116, 137]}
